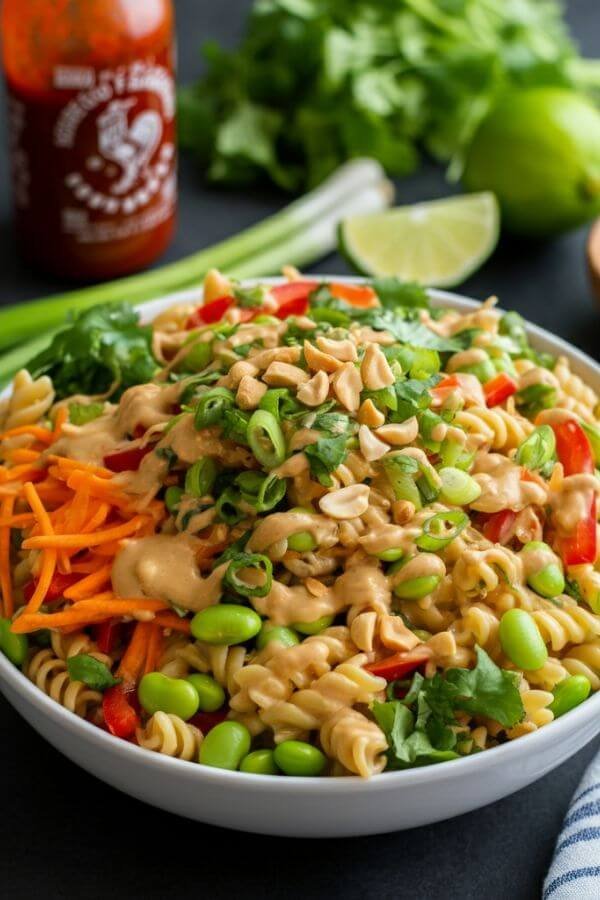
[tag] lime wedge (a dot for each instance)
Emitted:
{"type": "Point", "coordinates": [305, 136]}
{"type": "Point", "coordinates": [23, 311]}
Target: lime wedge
{"type": "Point", "coordinates": [438, 243]}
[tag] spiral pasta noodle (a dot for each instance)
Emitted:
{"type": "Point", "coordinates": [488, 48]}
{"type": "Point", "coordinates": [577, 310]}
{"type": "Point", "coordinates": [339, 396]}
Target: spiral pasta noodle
{"type": "Point", "coordinates": [355, 742]}
{"type": "Point", "coordinates": [495, 428]}
{"type": "Point", "coordinates": [29, 401]}
{"type": "Point", "coordinates": [570, 625]}
{"type": "Point", "coordinates": [576, 395]}
{"type": "Point", "coordinates": [50, 675]}
{"type": "Point", "coordinates": [168, 734]}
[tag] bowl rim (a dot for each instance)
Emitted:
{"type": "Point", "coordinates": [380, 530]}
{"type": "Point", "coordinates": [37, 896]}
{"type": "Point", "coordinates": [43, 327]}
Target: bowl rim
{"type": "Point", "coordinates": [431, 774]}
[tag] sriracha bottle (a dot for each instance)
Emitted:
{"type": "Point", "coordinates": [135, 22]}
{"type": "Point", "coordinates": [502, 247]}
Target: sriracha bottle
{"type": "Point", "coordinates": [91, 105]}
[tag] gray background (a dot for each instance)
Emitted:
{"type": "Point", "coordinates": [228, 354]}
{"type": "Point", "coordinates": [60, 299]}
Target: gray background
{"type": "Point", "coordinates": [67, 835]}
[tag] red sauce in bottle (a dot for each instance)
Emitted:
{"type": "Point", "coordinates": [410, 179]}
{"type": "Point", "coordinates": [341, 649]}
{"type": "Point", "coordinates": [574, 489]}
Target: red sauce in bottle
{"type": "Point", "coordinates": [92, 132]}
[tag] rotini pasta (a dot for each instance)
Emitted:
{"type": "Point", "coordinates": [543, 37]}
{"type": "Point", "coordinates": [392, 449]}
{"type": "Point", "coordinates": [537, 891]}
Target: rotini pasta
{"type": "Point", "coordinates": [168, 734]}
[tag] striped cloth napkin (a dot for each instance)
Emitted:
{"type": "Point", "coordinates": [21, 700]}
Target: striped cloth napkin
{"type": "Point", "coordinates": [575, 870]}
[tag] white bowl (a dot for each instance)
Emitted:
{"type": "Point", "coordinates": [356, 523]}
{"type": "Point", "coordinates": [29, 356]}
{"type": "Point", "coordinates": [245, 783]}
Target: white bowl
{"type": "Point", "coordinates": [314, 807]}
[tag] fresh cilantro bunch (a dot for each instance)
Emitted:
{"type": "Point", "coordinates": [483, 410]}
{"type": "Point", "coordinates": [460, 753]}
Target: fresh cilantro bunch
{"type": "Point", "coordinates": [419, 728]}
{"type": "Point", "coordinates": [316, 82]}
{"type": "Point", "coordinates": [104, 345]}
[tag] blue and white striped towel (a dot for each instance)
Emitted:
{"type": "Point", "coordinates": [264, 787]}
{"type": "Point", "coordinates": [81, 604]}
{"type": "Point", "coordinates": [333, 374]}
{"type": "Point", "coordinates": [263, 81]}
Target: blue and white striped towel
{"type": "Point", "coordinates": [575, 869]}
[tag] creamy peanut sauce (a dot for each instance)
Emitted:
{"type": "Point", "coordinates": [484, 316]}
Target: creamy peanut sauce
{"type": "Point", "coordinates": [278, 527]}
{"type": "Point", "coordinates": [571, 503]}
{"type": "Point", "coordinates": [163, 567]}
{"type": "Point", "coordinates": [89, 443]}
{"type": "Point", "coordinates": [502, 485]}
{"type": "Point", "coordinates": [420, 566]}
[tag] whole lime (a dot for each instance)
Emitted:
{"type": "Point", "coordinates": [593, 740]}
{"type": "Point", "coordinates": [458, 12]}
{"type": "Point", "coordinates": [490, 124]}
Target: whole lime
{"type": "Point", "coordinates": [539, 151]}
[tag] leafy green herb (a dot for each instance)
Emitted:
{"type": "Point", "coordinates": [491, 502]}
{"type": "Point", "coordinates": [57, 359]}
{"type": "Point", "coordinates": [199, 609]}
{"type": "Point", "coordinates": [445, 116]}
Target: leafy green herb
{"type": "Point", "coordinates": [82, 413]}
{"type": "Point", "coordinates": [90, 671]}
{"type": "Point", "coordinates": [104, 346]}
{"type": "Point", "coordinates": [420, 728]}
{"type": "Point", "coordinates": [325, 456]}
{"type": "Point", "coordinates": [392, 293]}
{"type": "Point", "coordinates": [412, 396]}
{"type": "Point", "coordinates": [316, 82]}
{"type": "Point", "coordinates": [235, 425]}
{"type": "Point", "coordinates": [333, 423]}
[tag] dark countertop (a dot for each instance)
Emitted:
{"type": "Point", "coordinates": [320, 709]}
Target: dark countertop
{"type": "Point", "coordinates": [68, 835]}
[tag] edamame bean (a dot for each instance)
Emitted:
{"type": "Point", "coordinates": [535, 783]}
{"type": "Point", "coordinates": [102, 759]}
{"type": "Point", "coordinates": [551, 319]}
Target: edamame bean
{"type": "Point", "coordinates": [284, 636]}
{"type": "Point", "coordinates": [391, 555]}
{"type": "Point", "coordinates": [521, 640]}
{"type": "Point", "coordinates": [226, 625]}
{"type": "Point", "coordinates": [259, 762]}
{"type": "Point", "coordinates": [302, 541]}
{"type": "Point", "coordinates": [225, 745]}
{"type": "Point", "coordinates": [299, 758]}
{"type": "Point", "coordinates": [159, 693]}
{"type": "Point", "coordinates": [484, 370]}
{"type": "Point", "coordinates": [458, 488]}
{"type": "Point", "coordinates": [548, 581]}
{"type": "Point", "coordinates": [569, 693]}
{"type": "Point", "coordinates": [313, 627]}
{"type": "Point", "coordinates": [14, 646]}
{"type": "Point", "coordinates": [211, 695]}
{"type": "Point", "coordinates": [416, 588]}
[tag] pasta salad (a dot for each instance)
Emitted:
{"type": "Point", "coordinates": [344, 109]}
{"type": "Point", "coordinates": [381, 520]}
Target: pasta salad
{"type": "Point", "coordinates": [315, 528]}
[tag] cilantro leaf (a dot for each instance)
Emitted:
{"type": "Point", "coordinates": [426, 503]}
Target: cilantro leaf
{"type": "Point", "coordinates": [487, 691]}
{"type": "Point", "coordinates": [392, 293]}
{"type": "Point", "coordinates": [90, 671]}
{"type": "Point", "coordinates": [325, 456]}
{"type": "Point", "coordinates": [408, 745]}
{"type": "Point", "coordinates": [104, 346]}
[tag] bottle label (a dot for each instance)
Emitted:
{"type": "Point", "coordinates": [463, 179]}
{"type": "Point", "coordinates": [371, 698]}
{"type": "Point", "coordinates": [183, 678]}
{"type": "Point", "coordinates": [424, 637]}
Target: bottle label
{"type": "Point", "coordinates": [110, 151]}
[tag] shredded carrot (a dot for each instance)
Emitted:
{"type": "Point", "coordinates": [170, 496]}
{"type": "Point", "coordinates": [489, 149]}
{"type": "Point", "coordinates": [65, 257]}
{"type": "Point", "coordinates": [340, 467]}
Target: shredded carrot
{"type": "Point", "coordinates": [21, 473]}
{"type": "Point", "coordinates": [86, 612]}
{"type": "Point", "coordinates": [108, 550]}
{"type": "Point", "coordinates": [86, 565]}
{"type": "Point", "coordinates": [22, 455]}
{"type": "Point", "coordinates": [63, 462]}
{"type": "Point", "coordinates": [99, 598]}
{"type": "Point", "coordinates": [171, 620]}
{"type": "Point", "coordinates": [134, 659]}
{"type": "Point", "coordinates": [80, 541]}
{"type": "Point", "coordinates": [62, 417]}
{"type": "Point", "coordinates": [41, 434]}
{"type": "Point", "coordinates": [87, 586]}
{"type": "Point", "coordinates": [98, 518]}
{"type": "Point", "coordinates": [49, 557]}
{"type": "Point", "coordinates": [154, 648]}
{"type": "Point", "coordinates": [20, 520]}
{"type": "Point", "coordinates": [6, 509]}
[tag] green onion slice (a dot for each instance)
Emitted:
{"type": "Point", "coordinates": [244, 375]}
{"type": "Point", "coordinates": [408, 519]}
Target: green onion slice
{"type": "Point", "coordinates": [200, 477]}
{"type": "Point", "coordinates": [538, 449]}
{"type": "Point", "coordinates": [261, 565]}
{"type": "Point", "coordinates": [211, 406]}
{"type": "Point", "coordinates": [441, 529]}
{"type": "Point", "coordinates": [266, 439]}
{"type": "Point", "coordinates": [263, 492]}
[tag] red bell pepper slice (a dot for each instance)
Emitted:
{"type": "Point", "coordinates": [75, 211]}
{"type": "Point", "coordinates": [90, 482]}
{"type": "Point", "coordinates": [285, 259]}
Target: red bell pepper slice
{"type": "Point", "coordinates": [120, 715]}
{"type": "Point", "coordinates": [399, 664]}
{"type": "Point", "coordinates": [498, 389]}
{"type": "Point", "coordinates": [293, 290]}
{"type": "Point", "coordinates": [209, 313]}
{"type": "Point", "coordinates": [127, 460]}
{"type": "Point", "coordinates": [573, 448]}
{"type": "Point", "coordinates": [581, 546]}
{"type": "Point", "coordinates": [207, 720]}
{"type": "Point", "coordinates": [58, 586]}
{"type": "Point", "coordinates": [360, 295]}
{"type": "Point", "coordinates": [107, 635]}
{"type": "Point", "coordinates": [498, 527]}
{"type": "Point", "coordinates": [575, 454]}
